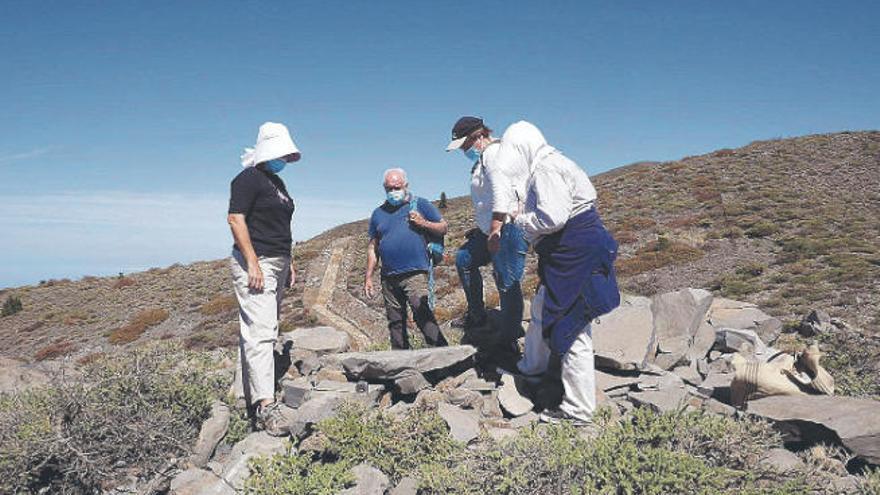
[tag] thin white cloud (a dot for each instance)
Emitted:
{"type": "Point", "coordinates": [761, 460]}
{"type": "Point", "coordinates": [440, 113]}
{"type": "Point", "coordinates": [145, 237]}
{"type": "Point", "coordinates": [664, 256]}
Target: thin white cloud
{"type": "Point", "coordinates": [49, 235]}
{"type": "Point", "coordinates": [24, 155]}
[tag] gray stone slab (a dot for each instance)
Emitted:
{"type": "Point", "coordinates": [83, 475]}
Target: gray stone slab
{"type": "Point", "coordinates": [196, 481]}
{"type": "Point", "coordinates": [677, 317]}
{"type": "Point", "coordinates": [511, 400]}
{"type": "Point", "coordinates": [464, 425]}
{"type": "Point", "coordinates": [236, 469]}
{"type": "Point", "coordinates": [607, 381]}
{"type": "Point", "coordinates": [320, 340]}
{"type": "Point", "coordinates": [389, 365]}
{"type": "Point", "coordinates": [212, 431]}
{"type": "Point", "coordinates": [735, 314]}
{"type": "Point", "coordinates": [368, 481]}
{"type": "Point", "coordinates": [624, 338]}
{"type": "Point", "coordinates": [855, 422]}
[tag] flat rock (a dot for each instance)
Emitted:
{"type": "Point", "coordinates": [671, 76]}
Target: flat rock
{"type": "Point", "coordinates": [609, 381]}
{"type": "Point", "coordinates": [212, 431]}
{"type": "Point", "coordinates": [295, 392]}
{"type": "Point", "coordinates": [745, 342]}
{"type": "Point", "coordinates": [624, 338]}
{"type": "Point", "coordinates": [524, 420]}
{"type": "Point", "coordinates": [464, 425]}
{"type": "Point", "coordinates": [320, 406]}
{"type": "Point", "coordinates": [781, 460]}
{"type": "Point", "coordinates": [407, 486]}
{"type": "Point", "coordinates": [465, 398]}
{"type": "Point", "coordinates": [661, 393]}
{"type": "Point", "coordinates": [702, 342]}
{"type": "Point", "coordinates": [195, 481]}
{"type": "Point", "coordinates": [368, 481]}
{"type": "Point", "coordinates": [236, 470]}
{"type": "Point", "coordinates": [677, 317]}
{"type": "Point", "coordinates": [717, 386]}
{"type": "Point", "coordinates": [855, 422]}
{"type": "Point", "coordinates": [389, 365]}
{"type": "Point", "coordinates": [735, 314]}
{"type": "Point", "coordinates": [320, 340]}
{"type": "Point", "coordinates": [510, 398]}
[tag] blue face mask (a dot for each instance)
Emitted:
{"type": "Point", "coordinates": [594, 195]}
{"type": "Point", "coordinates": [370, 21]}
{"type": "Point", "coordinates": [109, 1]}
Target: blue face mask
{"type": "Point", "coordinates": [395, 197]}
{"type": "Point", "coordinates": [472, 154]}
{"type": "Point", "coordinates": [276, 165]}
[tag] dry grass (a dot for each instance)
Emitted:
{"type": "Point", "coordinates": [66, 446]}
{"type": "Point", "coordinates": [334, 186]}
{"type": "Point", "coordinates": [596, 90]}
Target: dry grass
{"type": "Point", "coordinates": [218, 305]}
{"type": "Point", "coordinates": [56, 349]}
{"type": "Point", "coordinates": [137, 326]}
{"type": "Point", "coordinates": [123, 282]}
{"type": "Point", "coordinates": [657, 254]}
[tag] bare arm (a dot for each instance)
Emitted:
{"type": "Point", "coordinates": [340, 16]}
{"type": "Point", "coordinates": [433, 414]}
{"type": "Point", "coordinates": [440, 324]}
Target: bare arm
{"type": "Point", "coordinates": [372, 261]}
{"type": "Point", "coordinates": [434, 228]}
{"type": "Point", "coordinates": [243, 241]}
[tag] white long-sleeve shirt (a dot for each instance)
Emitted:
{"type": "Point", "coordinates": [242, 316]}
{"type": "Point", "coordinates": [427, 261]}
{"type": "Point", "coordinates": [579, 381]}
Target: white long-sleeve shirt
{"type": "Point", "coordinates": [508, 172]}
{"type": "Point", "coordinates": [558, 189]}
{"type": "Point", "coordinates": [481, 189]}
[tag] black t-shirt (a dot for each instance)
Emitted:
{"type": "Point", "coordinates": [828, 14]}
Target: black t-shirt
{"type": "Point", "coordinates": [267, 208]}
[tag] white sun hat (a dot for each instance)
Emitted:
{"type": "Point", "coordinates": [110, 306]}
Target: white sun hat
{"type": "Point", "coordinates": [273, 141]}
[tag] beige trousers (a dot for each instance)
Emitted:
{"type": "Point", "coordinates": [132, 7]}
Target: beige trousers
{"type": "Point", "coordinates": [258, 318]}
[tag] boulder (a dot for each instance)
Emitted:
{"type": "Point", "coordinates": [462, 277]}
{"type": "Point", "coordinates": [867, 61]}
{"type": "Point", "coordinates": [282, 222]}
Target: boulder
{"type": "Point", "coordinates": [464, 425]}
{"type": "Point", "coordinates": [237, 469]}
{"type": "Point", "coordinates": [702, 342]}
{"type": "Point", "coordinates": [195, 481]}
{"type": "Point", "coordinates": [853, 422]}
{"type": "Point", "coordinates": [295, 392]}
{"type": "Point", "coordinates": [677, 317]}
{"type": "Point", "coordinates": [745, 342]}
{"type": "Point", "coordinates": [624, 338]}
{"type": "Point", "coordinates": [510, 398]}
{"type": "Point", "coordinates": [368, 481]}
{"type": "Point", "coordinates": [735, 314]}
{"type": "Point", "coordinates": [212, 431]}
{"type": "Point", "coordinates": [389, 365]}
{"type": "Point", "coordinates": [320, 340]}
{"type": "Point", "coordinates": [321, 405]}
{"type": "Point", "coordinates": [816, 323]}
{"type": "Point", "coordinates": [717, 386]}
{"type": "Point", "coordinates": [465, 398]}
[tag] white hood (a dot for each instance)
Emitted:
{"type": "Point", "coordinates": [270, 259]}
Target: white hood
{"type": "Point", "coordinates": [529, 144]}
{"type": "Point", "coordinates": [273, 141]}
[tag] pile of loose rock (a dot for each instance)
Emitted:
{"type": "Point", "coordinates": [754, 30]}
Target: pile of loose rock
{"type": "Point", "coordinates": [673, 351]}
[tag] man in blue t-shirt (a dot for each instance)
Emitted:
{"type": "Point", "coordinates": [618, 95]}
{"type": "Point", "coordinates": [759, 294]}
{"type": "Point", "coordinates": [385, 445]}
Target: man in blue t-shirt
{"type": "Point", "coordinates": [397, 237]}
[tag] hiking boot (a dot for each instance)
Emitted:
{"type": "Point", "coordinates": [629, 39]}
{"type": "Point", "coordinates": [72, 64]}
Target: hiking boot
{"type": "Point", "coordinates": [272, 419]}
{"type": "Point", "coordinates": [557, 416]}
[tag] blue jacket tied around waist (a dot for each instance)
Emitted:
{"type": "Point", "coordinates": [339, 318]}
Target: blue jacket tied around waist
{"type": "Point", "coordinates": [576, 267]}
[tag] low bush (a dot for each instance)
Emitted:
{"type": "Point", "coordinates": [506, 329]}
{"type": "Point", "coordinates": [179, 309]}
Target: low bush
{"type": "Point", "coordinates": [137, 326]}
{"type": "Point", "coordinates": [127, 414]}
{"type": "Point", "coordinates": [218, 305]}
{"type": "Point", "coordinates": [657, 254]}
{"type": "Point", "coordinates": [11, 305]}
{"type": "Point", "coordinates": [54, 350]}
{"type": "Point", "coordinates": [644, 453]}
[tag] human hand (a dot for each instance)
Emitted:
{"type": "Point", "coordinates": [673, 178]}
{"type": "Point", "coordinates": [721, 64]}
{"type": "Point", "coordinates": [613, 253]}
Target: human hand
{"type": "Point", "coordinates": [417, 219]}
{"type": "Point", "coordinates": [255, 276]}
{"type": "Point", "coordinates": [291, 277]}
{"type": "Point", "coordinates": [494, 241]}
{"type": "Point", "coordinates": [369, 291]}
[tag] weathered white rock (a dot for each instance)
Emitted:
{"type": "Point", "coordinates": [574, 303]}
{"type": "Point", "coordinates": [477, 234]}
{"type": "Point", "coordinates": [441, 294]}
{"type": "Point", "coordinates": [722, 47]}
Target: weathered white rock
{"type": "Point", "coordinates": [781, 460]}
{"type": "Point", "coordinates": [320, 340]}
{"type": "Point", "coordinates": [624, 338]}
{"type": "Point", "coordinates": [212, 431]}
{"type": "Point", "coordinates": [464, 425]}
{"type": "Point", "coordinates": [389, 365]}
{"type": "Point", "coordinates": [735, 314]}
{"type": "Point", "coordinates": [368, 481]}
{"type": "Point", "coordinates": [855, 422]}
{"type": "Point", "coordinates": [677, 317]}
{"type": "Point", "coordinates": [407, 486]}
{"type": "Point", "coordinates": [236, 469]}
{"type": "Point", "coordinates": [510, 398]}
{"type": "Point", "coordinates": [195, 481]}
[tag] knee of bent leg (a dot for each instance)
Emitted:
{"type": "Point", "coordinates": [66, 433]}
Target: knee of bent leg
{"type": "Point", "coordinates": [462, 259]}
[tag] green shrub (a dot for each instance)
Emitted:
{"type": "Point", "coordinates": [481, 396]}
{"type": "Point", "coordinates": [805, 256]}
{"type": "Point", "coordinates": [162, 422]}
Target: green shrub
{"type": "Point", "coordinates": [297, 473]}
{"type": "Point", "coordinates": [11, 306]}
{"type": "Point", "coordinates": [128, 414]}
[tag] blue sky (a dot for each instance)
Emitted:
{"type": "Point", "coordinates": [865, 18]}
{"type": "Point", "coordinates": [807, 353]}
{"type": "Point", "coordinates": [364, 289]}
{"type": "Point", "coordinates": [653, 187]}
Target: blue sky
{"type": "Point", "coordinates": [123, 121]}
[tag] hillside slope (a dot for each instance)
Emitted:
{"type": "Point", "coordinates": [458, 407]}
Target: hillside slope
{"type": "Point", "coordinates": [789, 224]}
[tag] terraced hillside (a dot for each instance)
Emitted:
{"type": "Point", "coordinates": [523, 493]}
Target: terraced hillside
{"type": "Point", "coordinates": [789, 224]}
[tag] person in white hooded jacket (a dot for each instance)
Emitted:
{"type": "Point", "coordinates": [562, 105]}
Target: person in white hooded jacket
{"type": "Point", "coordinates": [575, 264]}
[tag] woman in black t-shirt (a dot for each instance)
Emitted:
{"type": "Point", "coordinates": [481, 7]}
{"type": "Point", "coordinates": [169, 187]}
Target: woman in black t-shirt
{"type": "Point", "coordinates": [260, 211]}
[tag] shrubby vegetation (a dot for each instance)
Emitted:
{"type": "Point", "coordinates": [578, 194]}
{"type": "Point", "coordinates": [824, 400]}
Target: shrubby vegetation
{"type": "Point", "coordinates": [644, 453]}
{"type": "Point", "coordinates": [11, 305]}
{"type": "Point", "coordinates": [127, 414]}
